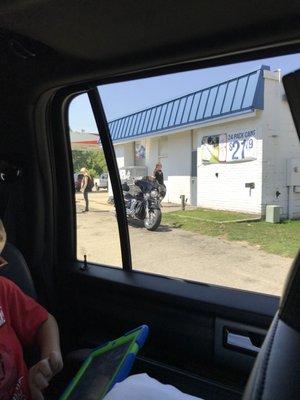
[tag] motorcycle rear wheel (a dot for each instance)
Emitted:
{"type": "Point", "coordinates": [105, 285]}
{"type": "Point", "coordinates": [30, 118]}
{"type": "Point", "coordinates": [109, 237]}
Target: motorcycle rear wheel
{"type": "Point", "coordinates": [154, 220]}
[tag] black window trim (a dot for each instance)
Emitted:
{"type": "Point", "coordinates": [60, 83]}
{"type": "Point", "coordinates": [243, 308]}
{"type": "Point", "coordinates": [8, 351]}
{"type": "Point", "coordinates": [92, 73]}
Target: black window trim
{"type": "Point", "coordinates": [109, 152]}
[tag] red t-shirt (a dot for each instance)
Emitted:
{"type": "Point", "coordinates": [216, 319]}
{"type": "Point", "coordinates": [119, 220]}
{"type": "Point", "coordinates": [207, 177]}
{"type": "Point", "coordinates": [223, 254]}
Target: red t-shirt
{"type": "Point", "coordinates": [20, 317]}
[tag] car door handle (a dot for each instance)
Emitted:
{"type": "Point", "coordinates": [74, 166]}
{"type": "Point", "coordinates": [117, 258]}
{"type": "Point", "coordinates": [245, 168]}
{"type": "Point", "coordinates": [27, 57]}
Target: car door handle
{"type": "Point", "coordinates": [243, 341]}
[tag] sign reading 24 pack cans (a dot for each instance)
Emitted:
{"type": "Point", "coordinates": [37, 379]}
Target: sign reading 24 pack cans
{"type": "Point", "coordinates": [241, 146]}
{"type": "Point", "coordinates": [229, 147]}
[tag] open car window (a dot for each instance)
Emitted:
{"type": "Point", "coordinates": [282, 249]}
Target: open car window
{"type": "Point", "coordinates": [209, 164]}
{"type": "Point", "coordinates": [97, 228]}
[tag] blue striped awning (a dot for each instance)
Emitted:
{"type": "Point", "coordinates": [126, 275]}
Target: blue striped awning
{"type": "Point", "coordinates": [238, 95]}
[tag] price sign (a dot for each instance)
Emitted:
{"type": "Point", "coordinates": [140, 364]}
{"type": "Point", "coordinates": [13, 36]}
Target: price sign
{"type": "Point", "coordinates": [229, 147]}
{"type": "Point", "coordinates": [241, 146]}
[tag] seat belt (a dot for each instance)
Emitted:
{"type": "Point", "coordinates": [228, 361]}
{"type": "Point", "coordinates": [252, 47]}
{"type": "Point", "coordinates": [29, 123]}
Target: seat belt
{"type": "Point", "coordinates": [4, 200]}
{"type": "Point", "coordinates": [11, 197]}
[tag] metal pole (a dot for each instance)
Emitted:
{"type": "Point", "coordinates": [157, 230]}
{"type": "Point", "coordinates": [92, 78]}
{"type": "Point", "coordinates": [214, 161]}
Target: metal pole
{"type": "Point", "coordinates": [182, 201]}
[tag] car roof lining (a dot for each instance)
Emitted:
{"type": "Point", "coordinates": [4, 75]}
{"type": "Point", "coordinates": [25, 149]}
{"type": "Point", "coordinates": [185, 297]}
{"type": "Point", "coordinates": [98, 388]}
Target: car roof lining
{"type": "Point", "coordinates": [85, 40]}
{"type": "Point", "coordinates": [94, 30]}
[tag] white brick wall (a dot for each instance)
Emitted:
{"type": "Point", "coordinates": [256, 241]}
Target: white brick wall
{"type": "Point", "coordinates": [222, 186]}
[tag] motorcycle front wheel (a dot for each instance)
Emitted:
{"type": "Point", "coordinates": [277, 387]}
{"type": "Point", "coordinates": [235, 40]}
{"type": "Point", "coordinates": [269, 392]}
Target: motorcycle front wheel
{"type": "Point", "coordinates": [154, 220]}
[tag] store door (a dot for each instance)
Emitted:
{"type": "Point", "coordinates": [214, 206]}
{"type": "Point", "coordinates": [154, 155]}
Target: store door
{"type": "Point", "coordinates": [163, 159]}
{"type": "Point", "coordinates": [194, 174]}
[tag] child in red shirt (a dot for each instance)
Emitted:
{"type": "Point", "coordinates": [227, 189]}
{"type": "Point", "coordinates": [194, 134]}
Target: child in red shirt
{"type": "Point", "coordinates": [23, 323]}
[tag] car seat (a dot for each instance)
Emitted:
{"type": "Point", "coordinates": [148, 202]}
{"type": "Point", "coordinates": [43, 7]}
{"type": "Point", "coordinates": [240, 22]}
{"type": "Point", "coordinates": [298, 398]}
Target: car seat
{"type": "Point", "coordinates": [17, 270]}
{"type": "Point", "coordinates": [276, 372]}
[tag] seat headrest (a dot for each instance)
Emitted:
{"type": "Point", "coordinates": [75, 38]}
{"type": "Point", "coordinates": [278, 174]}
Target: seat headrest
{"type": "Point", "coordinates": [17, 270]}
{"type": "Point", "coordinates": [289, 310]}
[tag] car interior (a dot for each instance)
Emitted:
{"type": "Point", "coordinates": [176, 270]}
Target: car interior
{"type": "Point", "coordinates": [51, 51]}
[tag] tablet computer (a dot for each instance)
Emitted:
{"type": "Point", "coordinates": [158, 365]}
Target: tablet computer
{"type": "Point", "coordinates": [105, 366]}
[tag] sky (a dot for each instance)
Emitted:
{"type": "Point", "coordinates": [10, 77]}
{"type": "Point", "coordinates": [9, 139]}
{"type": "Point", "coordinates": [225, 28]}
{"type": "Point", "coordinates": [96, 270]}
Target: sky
{"type": "Point", "coordinates": [123, 98]}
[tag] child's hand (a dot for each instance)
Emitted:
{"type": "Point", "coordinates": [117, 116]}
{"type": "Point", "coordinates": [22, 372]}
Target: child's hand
{"type": "Point", "coordinates": [41, 374]}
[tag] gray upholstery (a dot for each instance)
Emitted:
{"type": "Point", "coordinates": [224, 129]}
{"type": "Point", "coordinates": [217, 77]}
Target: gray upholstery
{"type": "Point", "coordinates": [276, 373]}
{"type": "Point", "coordinates": [17, 270]}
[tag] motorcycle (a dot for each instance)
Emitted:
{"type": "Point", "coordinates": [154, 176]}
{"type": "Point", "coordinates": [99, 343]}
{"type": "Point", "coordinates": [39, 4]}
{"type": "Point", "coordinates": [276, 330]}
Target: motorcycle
{"type": "Point", "coordinates": [144, 203]}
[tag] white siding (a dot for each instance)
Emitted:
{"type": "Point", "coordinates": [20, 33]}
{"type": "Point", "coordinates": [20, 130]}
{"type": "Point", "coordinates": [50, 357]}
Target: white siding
{"type": "Point", "coordinates": [151, 153]}
{"type": "Point", "coordinates": [125, 154]}
{"type": "Point", "coordinates": [125, 157]}
{"type": "Point", "coordinates": [281, 143]}
{"type": "Point", "coordinates": [119, 151]}
{"type": "Point", "coordinates": [178, 164]}
{"type": "Point", "coordinates": [174, 152]}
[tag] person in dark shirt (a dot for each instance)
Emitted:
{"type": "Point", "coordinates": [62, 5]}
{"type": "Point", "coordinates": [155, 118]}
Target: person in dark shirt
{"type": "Point", "coordinates": [85, 187]}
{"type": "Point", "coordinates": [158, 174]}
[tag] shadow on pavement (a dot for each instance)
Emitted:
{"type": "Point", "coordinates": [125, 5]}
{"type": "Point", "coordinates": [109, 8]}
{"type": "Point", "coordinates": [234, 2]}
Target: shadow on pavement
{"type": "Point", "coordinates": [139, 225]}
{"type": "Point", "coordinates": [92, 211]}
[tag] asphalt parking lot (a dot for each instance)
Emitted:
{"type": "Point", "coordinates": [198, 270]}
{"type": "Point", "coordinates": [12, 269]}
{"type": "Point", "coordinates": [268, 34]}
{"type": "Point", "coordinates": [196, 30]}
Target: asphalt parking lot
{"type": "Point", "coordinates": [177, 253]}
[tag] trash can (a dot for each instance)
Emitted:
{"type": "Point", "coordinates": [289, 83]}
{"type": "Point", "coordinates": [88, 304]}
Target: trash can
{"type": "Point", "coordinates": [273, 214]}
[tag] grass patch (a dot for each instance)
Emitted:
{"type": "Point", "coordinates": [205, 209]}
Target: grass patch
{"type": "Point", "coordinates": [282, 239]}
{"type": "Point", "coordinates": [213, 215]}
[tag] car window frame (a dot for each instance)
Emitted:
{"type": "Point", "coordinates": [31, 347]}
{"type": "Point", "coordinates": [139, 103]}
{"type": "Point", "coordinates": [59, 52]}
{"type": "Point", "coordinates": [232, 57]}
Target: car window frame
{"type": "Point", "coordinates": [81, 88]}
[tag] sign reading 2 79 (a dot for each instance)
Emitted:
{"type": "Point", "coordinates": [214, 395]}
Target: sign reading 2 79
{"type": "Point", "coordinates": [241, 146]}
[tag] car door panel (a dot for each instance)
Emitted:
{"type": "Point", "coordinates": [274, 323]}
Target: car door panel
{"type": "Point", "coordinates": [186, 344]}
{"type": "Point", "coordinates": [182, 319]}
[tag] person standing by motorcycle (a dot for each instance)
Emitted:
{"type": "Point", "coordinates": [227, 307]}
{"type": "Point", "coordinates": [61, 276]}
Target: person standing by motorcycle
{"type": "Point", "coordinates": [85, 187]}
{"type": "Point", "coordinates": [159, 176]}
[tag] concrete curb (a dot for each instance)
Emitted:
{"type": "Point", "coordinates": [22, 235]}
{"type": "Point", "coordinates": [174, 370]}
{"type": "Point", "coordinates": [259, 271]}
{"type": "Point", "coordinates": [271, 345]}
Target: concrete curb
{"type": "Point", "coordinates": [220, 222]}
